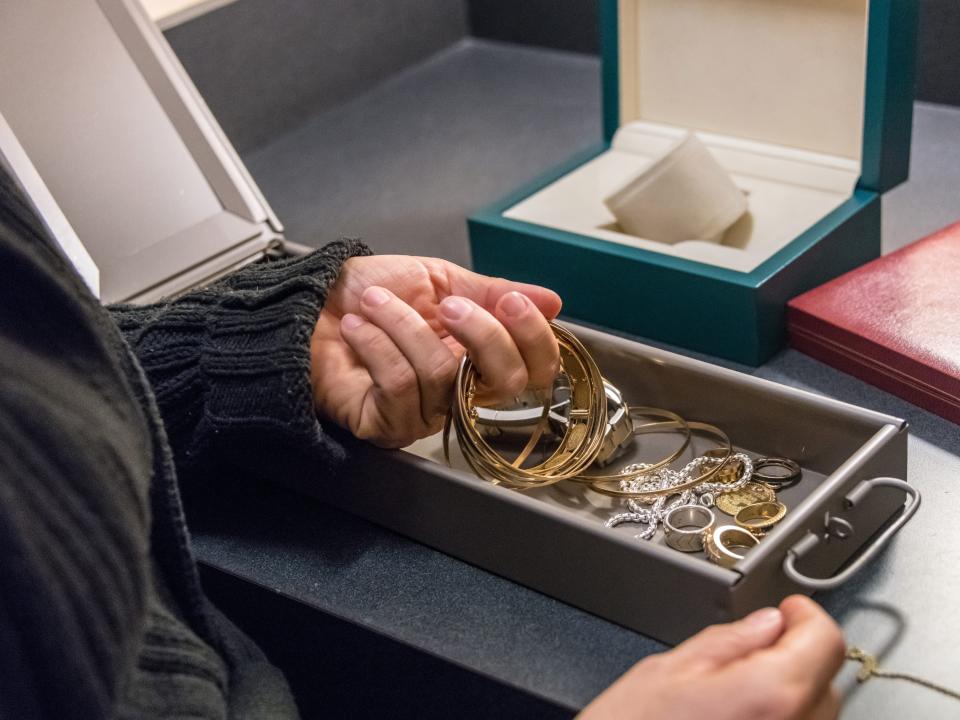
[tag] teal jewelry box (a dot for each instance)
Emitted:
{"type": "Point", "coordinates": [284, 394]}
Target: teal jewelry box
{"type": "Point", "coordinates": [807, 103]}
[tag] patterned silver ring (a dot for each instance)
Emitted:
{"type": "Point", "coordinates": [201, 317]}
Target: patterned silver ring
{"type": "Point", "coordinates": [685, 526]}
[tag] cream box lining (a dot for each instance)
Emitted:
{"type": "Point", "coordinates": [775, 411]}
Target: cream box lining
{"type": "Point", "coordinates": [788, 191]}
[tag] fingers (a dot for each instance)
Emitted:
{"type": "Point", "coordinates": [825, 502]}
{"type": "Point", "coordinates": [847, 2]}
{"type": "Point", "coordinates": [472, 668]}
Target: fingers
{"type": "Point", "coordinates": [492, 350]}
{"type": "Point", "coordinates": [433, 363]}
{"type": "Point", "coordinates": [722, 644]}
{"type": "Point", "coordinates": [397, 399]}
{"type": "Point", "coordinates": [791, 677]}
{"type": "Point", "coordinates": [812, 647]}
{"type": "Point", "coordinates": [533, 337]}
{"type": "Point", "coordinates": [487, 291]}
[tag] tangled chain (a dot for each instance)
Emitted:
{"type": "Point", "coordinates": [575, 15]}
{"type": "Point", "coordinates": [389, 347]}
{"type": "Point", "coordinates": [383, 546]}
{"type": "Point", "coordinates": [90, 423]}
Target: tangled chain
{"type": "Point", "coordinates": [651, 513]}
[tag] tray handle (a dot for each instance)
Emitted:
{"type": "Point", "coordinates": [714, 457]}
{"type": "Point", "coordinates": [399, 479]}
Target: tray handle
{"type": "Point", "coordinates": [841, 529]}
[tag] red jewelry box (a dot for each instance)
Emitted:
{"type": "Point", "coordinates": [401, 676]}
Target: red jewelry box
{"type": "Point", "coordinates": [895, 323]}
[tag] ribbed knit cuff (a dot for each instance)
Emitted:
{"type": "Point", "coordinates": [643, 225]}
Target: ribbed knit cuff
{"type": "Point", "coordinates": [230, 363]}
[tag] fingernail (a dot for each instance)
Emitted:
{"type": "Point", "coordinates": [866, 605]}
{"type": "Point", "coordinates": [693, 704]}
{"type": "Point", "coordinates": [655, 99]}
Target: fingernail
{"type": "Point", "coordinates": [454, 308]}
{"type": "Point", "coordinates": [514, 304]}
{"type": "Point", "coordinates": [375, 296]}
{"type": "Point", "coordinates": [351, 321]}
{"type": "Point", "coordinates": [763, 619]}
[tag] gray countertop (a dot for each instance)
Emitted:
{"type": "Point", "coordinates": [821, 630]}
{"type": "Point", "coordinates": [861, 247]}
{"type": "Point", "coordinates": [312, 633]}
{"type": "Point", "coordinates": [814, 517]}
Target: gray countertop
{"type": "Point", "coordinates": [402, 166]}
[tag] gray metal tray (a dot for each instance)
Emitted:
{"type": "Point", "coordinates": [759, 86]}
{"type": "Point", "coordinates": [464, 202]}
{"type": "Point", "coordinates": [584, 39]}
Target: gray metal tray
{"type": "Point", "coordinates": [554, 539]}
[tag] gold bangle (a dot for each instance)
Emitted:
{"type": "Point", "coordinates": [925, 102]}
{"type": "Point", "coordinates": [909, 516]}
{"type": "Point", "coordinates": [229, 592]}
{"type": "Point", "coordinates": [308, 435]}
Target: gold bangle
{"type": "Point", "coordinates": [579, 446]}
{"type": "Point", "coordinates": [602, 485]}
{"type": "Point", "coordinates": [719, 544]}
{"type": "Point", "coordinates": [760, 517]}
{"type": "Point", "coordinates": [672, 422]}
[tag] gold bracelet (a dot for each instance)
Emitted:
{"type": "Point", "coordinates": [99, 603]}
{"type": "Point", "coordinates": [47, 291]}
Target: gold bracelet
{"type": "Point", "coordinates": [579, 446]}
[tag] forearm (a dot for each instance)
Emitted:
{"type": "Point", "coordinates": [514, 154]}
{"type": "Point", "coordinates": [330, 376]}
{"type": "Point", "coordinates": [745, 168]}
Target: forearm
{"type": "Point", "coordinates": [230, 363]}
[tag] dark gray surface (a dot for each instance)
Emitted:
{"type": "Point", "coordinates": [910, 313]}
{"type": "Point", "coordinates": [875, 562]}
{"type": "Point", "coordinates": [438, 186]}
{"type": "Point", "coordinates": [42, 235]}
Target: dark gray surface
{"type": "Point", "coordinates": [938, 69]}
{"type": "Point", "coordinates": [402, 166]}
{"type": "Point", "coordinates": [264, 66]}
{"type": "Point", "coordinates": [568, 25]}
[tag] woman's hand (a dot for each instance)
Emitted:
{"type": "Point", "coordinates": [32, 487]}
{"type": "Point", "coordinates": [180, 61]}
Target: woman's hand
{"type": "Point", "coordinates": [390, 336]}
{"type": "Point", "coordinates": [773, 665]}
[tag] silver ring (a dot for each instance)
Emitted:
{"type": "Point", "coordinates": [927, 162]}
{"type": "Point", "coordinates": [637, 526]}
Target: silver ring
{"type": "Point", "coordinates": [685, 527]}
{"type": "Point", "coordinates": [721, 543]}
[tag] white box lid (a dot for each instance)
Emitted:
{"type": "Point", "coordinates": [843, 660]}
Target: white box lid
{"type": "Point", "coordinates": [784, 72]}
{"type": "Point", "coordinates": [125, 144]}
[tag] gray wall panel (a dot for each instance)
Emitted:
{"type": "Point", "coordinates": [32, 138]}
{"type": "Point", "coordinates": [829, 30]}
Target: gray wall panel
{"type": "Point", "coordinates": [938, 72]}
{"type": "Point", "coordinates": [564, 25]}
{"type": "Point", "coordinates": [264, 66]}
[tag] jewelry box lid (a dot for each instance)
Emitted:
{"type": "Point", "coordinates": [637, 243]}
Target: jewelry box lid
{"type": "Point", "coordinates": [126, 146]}
{"type": "Point", "coordinates": [829, 76]}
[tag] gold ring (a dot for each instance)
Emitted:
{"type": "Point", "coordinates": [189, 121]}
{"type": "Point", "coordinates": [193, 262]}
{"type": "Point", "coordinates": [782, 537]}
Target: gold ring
{"type": "Point", "coordinates": [760, 517]}
{"type": "Point", "coordinates": [721, 543]}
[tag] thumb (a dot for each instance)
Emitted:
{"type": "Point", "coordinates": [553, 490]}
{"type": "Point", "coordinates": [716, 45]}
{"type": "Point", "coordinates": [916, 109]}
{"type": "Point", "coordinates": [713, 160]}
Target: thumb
{"type": "Point", "coordinates": [722, 644]}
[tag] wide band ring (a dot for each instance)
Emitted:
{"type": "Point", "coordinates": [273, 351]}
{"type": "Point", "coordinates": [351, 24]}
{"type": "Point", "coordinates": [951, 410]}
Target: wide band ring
{"type": "Point", "coordinates": [760, 517]}
{"type": "Point", "coordinates": [721, 543]}
{"type": "Point", "coordinates": [685, 526]}
{"type": "Point", "coordinates": [778, 481]}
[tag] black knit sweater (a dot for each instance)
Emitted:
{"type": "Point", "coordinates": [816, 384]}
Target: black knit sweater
{"type": "Point", "coordinates": [101, 610]}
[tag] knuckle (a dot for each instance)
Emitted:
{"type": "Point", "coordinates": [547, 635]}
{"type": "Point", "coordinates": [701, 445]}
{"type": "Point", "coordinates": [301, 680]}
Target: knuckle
{"type": "Point", "coordinates": [407, 319]}
{"type": "Point", "coordinates": [444, 369]}
{"type": "Point", "coordinates": [380, 343]}
{"type": "Point", "coordinates": [401, 381]}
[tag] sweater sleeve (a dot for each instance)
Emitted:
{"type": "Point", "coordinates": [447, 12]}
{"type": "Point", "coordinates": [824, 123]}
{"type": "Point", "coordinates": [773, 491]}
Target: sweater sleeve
{"type": "Point", "coordinates": [230, 364]}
